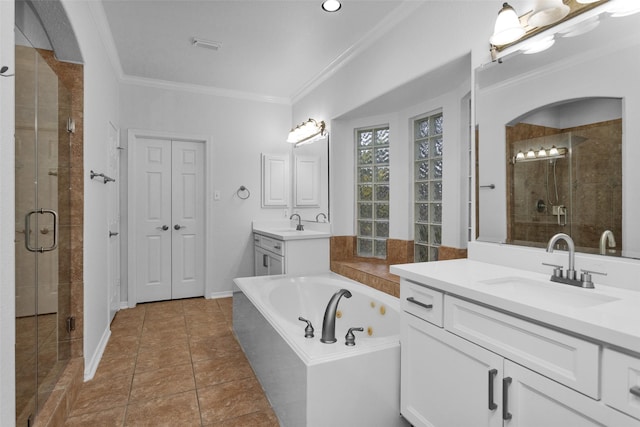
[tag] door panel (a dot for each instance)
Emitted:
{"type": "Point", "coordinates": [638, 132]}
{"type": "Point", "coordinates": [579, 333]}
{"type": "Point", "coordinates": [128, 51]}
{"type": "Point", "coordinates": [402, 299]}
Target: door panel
{"type": "Point", "coordinates": [153, 191]}
{"type": "Point", "coordinates": [187, 217]}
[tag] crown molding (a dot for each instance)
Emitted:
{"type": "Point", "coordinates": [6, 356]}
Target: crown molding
{"type": "Point", "coordinates": [405, 9]}
{"type": "Point", "coordinates": [206, 90]}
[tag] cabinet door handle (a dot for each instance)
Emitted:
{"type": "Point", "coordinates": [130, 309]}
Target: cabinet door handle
{"type": "Point", "coordinates": [492, 376]}
{"type": "Point", "coordinates": [421, 304]}
{"type": "Point", "coordinates": [265, 257]}
{"type": "Point", "coordinates": [635, 390]}
{"type": "Point", "coordinates": [506, 415]}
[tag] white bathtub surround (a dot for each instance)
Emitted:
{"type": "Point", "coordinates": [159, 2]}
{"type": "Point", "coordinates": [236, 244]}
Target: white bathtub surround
{"type": "Point", "coordinates": [310, 383]}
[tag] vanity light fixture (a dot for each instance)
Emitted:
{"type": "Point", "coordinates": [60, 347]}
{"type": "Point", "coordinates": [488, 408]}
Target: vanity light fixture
{"type": "Point", "coordinates": [581, 27]}
{"type": "Point", "coordinates": [306, 131]}
{"type": "Point", "coordinates": [331, 5]}
{"type": "Point", "coordinates": [542, 154]}
{"type": "Point", "coordinates": [508, 28]}
{"type": "Point", "coordinates": [547, 12]}
{"type": "Point", "coordinates": [619, 8]}
{"type": "Point", "coordinates": [539, 45]}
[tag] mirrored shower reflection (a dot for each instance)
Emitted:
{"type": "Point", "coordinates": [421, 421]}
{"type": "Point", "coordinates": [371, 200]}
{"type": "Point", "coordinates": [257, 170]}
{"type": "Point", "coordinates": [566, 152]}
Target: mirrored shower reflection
{"type": "Point", "coordinates": [576, 189]}
{"type": "Point", "coordinates": [42, 232]}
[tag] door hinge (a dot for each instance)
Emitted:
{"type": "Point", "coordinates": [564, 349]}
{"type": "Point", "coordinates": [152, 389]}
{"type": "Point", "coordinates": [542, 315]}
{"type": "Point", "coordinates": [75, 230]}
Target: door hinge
{"type": "Point", "coordinates": [71, 324]}
{"type": "Point", "coordinates": [71, 125]}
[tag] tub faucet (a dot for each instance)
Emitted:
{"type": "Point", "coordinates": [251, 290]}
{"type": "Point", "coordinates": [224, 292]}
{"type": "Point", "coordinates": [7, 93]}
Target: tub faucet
{"type": "Point", "coordinates": [607, 239]}
{"type": "Point", "coordinates": [299, 227]}
{"type": "Point", "coordinates": [329, 322]}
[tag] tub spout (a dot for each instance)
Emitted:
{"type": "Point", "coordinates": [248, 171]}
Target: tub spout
{"type": "Point", "coordinates": [329, 322]}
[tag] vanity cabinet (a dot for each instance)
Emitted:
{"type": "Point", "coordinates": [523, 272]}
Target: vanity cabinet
{"type": "Point", "coordinates": [483, 367]}
{"type": "Point", "coordinates": [295, 257]}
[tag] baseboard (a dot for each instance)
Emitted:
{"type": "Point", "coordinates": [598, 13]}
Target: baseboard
{"type": "Point", "coordinates": [216, 295]}
{"type": "Point", "coordinates": [91, 368]}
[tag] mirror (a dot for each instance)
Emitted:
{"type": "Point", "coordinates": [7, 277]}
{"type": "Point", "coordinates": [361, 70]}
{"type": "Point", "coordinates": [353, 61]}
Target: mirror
{"type": "Point", "coordinates": [555, 180]}
{"type": "Point", "coordinates": [593, 75]}
{"type": "Point", "coordinates": [310, 192]}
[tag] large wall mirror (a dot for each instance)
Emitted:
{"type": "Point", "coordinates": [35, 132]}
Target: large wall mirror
{"type": "Point", "coordinates": [582, 98]}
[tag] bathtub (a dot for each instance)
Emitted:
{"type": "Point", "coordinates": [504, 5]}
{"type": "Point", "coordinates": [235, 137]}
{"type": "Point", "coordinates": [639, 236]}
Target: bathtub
{"type": "Point", "coordinates": [313, 384]}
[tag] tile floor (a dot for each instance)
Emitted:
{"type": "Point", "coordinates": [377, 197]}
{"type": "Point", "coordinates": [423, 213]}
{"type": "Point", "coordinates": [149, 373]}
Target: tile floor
{"type": "Point", "coordinates": [173, 363]}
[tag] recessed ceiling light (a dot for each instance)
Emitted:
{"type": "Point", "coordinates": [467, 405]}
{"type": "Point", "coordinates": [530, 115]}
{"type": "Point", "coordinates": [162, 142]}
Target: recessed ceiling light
{"type": "Point", "coordinates": [331, 5]}
{"type": "Point", "coordinates": [208, 44]}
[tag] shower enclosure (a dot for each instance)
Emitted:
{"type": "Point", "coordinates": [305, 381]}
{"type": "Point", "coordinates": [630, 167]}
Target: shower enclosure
{"type": "Point", "coordinates": [565, 182]}
{"type": "Point", "coordinates": [42, 229]}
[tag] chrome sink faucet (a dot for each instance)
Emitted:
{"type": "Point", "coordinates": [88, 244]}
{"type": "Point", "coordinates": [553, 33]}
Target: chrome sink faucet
{"type": "Point", "coordinates": [329, 322]}
{"type": "Point", "coordinates": [570, 278]}
{"type": "Point", "coordinates": [607, 240]}
{"type": "Point", "coordinates": [299, 227]}
{"type": "Point", "coordinates": [571, 272]}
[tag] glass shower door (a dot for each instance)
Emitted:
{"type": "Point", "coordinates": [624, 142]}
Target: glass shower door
{"type": "Point", "coordinates": [42, 242]}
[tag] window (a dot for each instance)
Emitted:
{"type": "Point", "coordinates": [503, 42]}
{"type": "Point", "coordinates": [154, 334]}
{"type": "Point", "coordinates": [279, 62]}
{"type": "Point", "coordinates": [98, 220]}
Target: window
{"type": "Point", "coordinates": [427, 157]}
{"type": "Point", "coordinates": [372, 191]}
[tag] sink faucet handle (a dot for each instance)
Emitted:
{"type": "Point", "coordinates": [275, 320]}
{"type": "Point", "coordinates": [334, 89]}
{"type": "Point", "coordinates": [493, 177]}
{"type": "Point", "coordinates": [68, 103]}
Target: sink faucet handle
{"type": "Point", "coordinates": [585, 278]}
{"type": "Point", "coordinates": [557, 269]}
{"type": "Point", "coordinates": [350, 338]}
{"type": "Point", "coordinates": [308, 331]}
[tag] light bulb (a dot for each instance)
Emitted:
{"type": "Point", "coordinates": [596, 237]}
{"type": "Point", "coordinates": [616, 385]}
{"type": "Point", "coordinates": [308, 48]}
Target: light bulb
{"type": "Point", "coordinates": [531, 154]}
{"type": "Point", "coordinates": [520, 155]}
{"type": "Point", "coordinates": [507, 28]}
{"type": "Point", "coordinates": [542, 152]}
{"type": "Point", "coordinates": [553, 151]}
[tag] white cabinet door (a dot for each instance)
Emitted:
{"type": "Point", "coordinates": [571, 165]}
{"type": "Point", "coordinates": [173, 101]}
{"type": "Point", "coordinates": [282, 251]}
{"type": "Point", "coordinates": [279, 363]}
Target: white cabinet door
{"type": "Point", "coordinates": [276, 264]}
{"type": "Point", "coordinates": [275, 181]}
{"type": "Point", "coordinates": [533, 400]}
{"type": "Point", "coordinates": [266, 263]}
{"type": "Point", "coordinates": [447, 381]}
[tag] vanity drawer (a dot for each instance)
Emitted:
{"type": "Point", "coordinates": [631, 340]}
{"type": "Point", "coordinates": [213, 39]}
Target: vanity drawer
{"type": "Point", "coordinates": [421, 301]}
{"type": "Point", "coordinates": [621, 382]}
{"type": "Point", "coordinates": [564, 358]}
{"type": "Point", "coordinates": [272, 245]}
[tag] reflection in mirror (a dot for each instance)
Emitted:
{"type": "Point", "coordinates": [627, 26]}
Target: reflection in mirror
{"type": "Point", "coordinates": [565, 175]}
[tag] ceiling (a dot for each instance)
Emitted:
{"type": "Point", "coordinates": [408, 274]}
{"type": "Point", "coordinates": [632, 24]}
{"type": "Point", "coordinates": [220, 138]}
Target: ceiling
{"type": "Point", "coordinates": [270, 48]}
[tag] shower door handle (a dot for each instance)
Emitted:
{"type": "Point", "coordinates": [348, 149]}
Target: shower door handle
{"type": "Point", "coordinates": [27, 230]}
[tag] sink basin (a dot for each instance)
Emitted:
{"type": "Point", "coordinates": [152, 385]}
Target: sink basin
{"type": "Point", "coordinates": [546, 293]}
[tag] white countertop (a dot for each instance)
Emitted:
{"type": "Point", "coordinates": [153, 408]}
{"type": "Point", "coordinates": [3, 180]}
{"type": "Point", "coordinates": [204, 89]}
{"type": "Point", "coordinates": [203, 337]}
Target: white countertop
{"type": "Point", "coordinates": [290, 233]}
{"type": "Point", "coordinates": [606, 314]}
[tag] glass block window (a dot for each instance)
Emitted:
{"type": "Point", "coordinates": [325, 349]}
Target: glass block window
{"type": "Point", "coordinates": [372, 191]}
{"type": "Point", "coordinates": [427, 173]}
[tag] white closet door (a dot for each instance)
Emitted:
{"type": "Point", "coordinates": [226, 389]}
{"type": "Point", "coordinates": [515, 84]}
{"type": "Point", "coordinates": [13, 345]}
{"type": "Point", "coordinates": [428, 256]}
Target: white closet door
{"type": "Point", "coordinates": [187, 219]}
{"type": "Point", "coordinates": [153, 219]}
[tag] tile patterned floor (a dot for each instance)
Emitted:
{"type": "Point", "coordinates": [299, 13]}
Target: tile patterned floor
{"type": "Point", "coordinates": [173, 363]}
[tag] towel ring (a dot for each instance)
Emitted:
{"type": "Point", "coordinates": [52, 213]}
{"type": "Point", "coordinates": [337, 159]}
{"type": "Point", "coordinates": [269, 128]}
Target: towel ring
{"type": "Point", "coordinates": [241, 192]}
